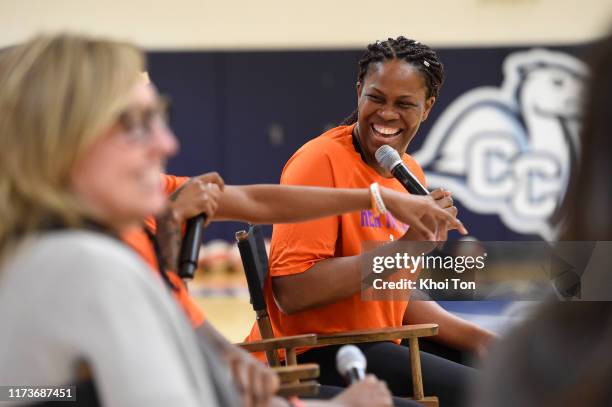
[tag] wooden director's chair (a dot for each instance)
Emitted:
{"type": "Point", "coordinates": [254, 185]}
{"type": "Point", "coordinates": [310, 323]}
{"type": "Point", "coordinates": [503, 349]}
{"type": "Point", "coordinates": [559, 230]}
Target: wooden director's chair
{"type": "Point", "coordinates": [255, 261]}
{"type": "Point", "coordinates": [296, 380]}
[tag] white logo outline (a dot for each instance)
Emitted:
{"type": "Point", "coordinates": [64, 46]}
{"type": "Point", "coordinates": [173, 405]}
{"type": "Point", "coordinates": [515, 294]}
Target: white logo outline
{"type": "Point", "coordinates": [447, 165]}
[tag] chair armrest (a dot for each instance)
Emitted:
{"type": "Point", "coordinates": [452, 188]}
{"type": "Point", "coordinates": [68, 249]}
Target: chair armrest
{"type": "Point", "coordinates": [297, 372]}
{"type": "Point", "coordinates": [376, 335]}
{"type": "Point", "coordinates": [302, 389]}
{"type": "Point", "coordinates": [286, 342]}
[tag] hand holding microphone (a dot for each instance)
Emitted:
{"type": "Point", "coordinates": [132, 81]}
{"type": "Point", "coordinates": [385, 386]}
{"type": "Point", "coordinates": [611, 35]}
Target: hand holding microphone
{"type": "Point", "coordinates": [197, 196]}
{"type": "Point", "coordinates": [195, 203]}
{"type": "Point", "coordinates": [390, 160]}
{"type": "Point", "coordinates": [366, 391]}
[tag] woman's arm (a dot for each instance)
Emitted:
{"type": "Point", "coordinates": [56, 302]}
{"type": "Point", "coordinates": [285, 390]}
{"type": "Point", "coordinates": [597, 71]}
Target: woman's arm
{"type": "Point", "coordinates": [290, 204]}
{"type": "Point", "coordinates": [453, 331]}
{"type": "Point", "coordinates": [326, 282]}
{"type": "Point", "coordinates": [267, 203]}
{"type": "Point", "coordinates": [336, 278]}
{"type": "Point", "coordinates": [287, 204]}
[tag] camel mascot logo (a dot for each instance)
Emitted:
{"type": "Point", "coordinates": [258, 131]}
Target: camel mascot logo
{"type": "Point", "coordinates": [510, 150]}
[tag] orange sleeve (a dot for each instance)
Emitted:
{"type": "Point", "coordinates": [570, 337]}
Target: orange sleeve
{"type": "Point", "coordinates": [297, 247]}
{"type": "Point", "coordinates": [171, 182]}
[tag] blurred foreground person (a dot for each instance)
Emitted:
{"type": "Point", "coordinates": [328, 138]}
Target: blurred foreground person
{"type": "Point", "coordinates": [78, 168]}
{"type": "Point", "coordinates": [83, 144]}
{"type": "Point", "coordinates": [562, 355]}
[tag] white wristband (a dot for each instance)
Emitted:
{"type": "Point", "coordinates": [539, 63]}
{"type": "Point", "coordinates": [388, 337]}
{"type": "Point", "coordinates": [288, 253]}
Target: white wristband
{"type": "Point", "coordinates": [377, 203]}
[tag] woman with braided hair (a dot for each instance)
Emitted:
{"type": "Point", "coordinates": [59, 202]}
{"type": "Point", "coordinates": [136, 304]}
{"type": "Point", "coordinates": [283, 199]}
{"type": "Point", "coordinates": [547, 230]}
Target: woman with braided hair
{"type": "Point", "coordinates": [315, 267]}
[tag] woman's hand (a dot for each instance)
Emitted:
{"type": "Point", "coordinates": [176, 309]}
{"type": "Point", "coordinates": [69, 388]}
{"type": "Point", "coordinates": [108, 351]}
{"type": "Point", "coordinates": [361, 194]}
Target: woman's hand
{"type": "Point", "coordinates": [369, 392]}
{"type": "Point", "coordinates": [429, 216]}
{"type": "Point", "coordinates": [200, 194]}
{"type": "Point", "coordinates": [256, 383]}
{"type": "Point", "coordinates": [444, 200]}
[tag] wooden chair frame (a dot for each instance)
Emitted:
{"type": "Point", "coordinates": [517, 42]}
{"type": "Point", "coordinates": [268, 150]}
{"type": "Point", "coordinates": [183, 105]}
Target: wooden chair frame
{"type": "Point", "coordinates": [255, 262]}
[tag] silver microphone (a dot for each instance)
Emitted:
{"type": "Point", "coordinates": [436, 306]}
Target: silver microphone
{"type": "Point", "coordinates": [351, 363]}
{"type": "Point", "coordinates": [391, 161]}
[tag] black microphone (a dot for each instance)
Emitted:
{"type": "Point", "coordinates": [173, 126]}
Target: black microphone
{"type": "Point", "coordinates": [351, 363]}
{"type": "Point", "coordinates": [391, 161]}
{"type": "Point", "coordinates": [190, 246]}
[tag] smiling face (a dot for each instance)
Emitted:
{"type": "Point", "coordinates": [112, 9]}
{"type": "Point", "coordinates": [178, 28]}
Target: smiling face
{"type": "Point", "coordinates": [118, 179]}
{"type": "Point", "coordinates": [392, 103]}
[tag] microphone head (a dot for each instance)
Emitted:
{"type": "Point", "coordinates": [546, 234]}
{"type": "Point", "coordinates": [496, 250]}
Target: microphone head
{"type": "Point", "coordinates": [387, 157]}
{"type": "Point", "coordinates": [350, 357]}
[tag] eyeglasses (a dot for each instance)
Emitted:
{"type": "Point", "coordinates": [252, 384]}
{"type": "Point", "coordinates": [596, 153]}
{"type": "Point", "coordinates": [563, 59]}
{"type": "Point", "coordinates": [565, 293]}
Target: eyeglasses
{"type": "Point", "coordinates": [139, 124]}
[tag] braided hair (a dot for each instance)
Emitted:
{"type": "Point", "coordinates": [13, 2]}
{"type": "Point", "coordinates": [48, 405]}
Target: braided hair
{"type": "Point", "coordinates": [420, 56]}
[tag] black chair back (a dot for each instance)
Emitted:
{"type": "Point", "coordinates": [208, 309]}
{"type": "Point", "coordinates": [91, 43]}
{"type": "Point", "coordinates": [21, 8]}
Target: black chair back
{"type": "Point", "coordinates": [252, 249]}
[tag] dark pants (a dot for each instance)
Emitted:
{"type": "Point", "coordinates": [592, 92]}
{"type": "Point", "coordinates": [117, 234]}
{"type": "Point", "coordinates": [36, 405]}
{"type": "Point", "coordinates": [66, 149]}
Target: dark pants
{"type": "Point", "coordinates": [446, 379]}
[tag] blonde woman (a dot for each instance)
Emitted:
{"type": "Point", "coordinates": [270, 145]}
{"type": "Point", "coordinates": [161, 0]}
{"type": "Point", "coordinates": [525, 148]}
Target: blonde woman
{"type": "Point", "coordinates": [83, 143]}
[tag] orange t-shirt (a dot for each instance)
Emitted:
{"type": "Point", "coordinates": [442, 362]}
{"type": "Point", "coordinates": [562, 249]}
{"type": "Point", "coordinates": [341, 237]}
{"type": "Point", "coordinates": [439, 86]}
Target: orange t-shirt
{"type": "Point", "coordinates": [331, 160]}
{"type": "Point", "coordinates": [140, 242]}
